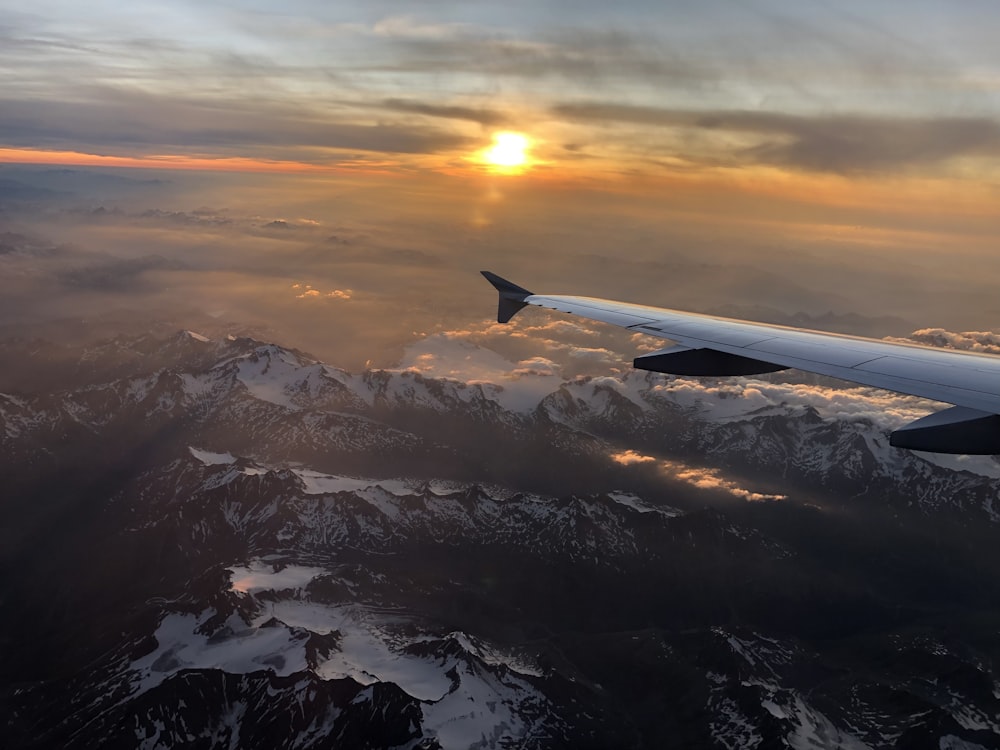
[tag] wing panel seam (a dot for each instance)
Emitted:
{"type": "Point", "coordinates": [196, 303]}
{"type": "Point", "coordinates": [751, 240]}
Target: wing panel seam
{"type": "Point", "coordinates": [869, 361]}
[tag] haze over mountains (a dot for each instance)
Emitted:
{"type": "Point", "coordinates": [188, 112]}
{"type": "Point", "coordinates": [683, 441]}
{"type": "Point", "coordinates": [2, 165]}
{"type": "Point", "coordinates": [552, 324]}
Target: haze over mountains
{"type": "Point", "coordinates": [327, 265]}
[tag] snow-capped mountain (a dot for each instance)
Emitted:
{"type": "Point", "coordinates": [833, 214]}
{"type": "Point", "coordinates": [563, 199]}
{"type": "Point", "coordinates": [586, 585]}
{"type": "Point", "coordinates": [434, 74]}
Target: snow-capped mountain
{"type": "Point", "coordinates": [262, 401]}
{"type": "Point", "coordinates": [227, 543]}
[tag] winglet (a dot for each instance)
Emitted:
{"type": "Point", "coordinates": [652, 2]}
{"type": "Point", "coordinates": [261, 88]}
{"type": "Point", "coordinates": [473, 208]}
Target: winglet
{"type": "Point", "coordinates": [511, 296]}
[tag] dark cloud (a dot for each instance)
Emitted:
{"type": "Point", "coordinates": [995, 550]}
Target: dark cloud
{"type": "Point", "coordinates": [118, 275]}
{"type": "Point", "coordinates": [586, 56]}
{"type": "Point", "coordinates": [70, 181]}
{"type": "Point", "coordinates": [124, 123]}
{"type": "Point", "coordinates": [189, 218]}
{"type": "Point", "coordinates": [403, 257]}
{"type": "Point", "coordinates": [12, 191]}
{"type": "Point", "coordinates": [17, 244]}
{"type": "Point", "coordinates": [826, 143]}
{"type": "Point", "coordinates": [863, 144]}
{"type": "Point", "coordinates": [450, 112]}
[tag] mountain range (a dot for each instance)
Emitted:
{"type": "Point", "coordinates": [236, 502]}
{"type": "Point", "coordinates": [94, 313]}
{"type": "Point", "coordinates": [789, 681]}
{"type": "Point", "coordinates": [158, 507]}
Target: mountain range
{"type": "Point", "coordinates": [224, 542]}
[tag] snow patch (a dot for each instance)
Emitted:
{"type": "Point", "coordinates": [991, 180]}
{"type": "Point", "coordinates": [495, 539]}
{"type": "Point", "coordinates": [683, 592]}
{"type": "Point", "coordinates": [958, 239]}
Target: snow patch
{"type": "Point", "coordinates": [14, 399]}
{"type": "Point", "coordinates": [951, 742]}
{"type": "Point", "coordinates": [180, 645]}
{"type": "Point", "coordinates": [484, 652]}
{"type": "Point", "coordinates": [469, 691]}
{"type": "Point", "coordinates": [260, 576]}
{"type": "Point", "coordinates": [264, 387]}
{"type": "Point", "coordinates": [637, 503]}
{"type": "Point", "coordinates": [212, 459]}
{"type": "Point", "coordinates": [814, 730]}
{"type": "Point", "coordinates": [196, 385]}
{"type": "Point", "coordinates": [774, 709]}
{"type": "Point", "coordinates": [270, 373]}
{"type": "Point", "coordinates": [368, 652]}
{"type": "Point", "coordinates": [986, 466]}
{"type": "Point", "coordinates": [479, 710]}
{"type": "Point", "coordinates": [318, 483]}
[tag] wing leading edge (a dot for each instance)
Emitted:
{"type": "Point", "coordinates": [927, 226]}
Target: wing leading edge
{"type": "Point", "coordinates": [708, 345]}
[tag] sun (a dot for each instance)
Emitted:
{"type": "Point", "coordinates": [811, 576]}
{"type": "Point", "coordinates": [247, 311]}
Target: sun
{"type": "Point", "coordinates": [509, 152]}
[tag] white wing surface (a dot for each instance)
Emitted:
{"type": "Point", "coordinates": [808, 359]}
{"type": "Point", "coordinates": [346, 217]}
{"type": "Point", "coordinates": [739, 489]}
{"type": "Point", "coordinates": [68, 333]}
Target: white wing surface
{"type": "Point", "coordinates": [709, 345]}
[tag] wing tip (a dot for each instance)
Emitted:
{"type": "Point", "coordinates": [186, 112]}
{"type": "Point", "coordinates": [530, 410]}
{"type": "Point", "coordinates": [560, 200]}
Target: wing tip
{"type": "Point", "coordinates": [512, 296]}
{"type": "Point", "coordinates": [504, 286]}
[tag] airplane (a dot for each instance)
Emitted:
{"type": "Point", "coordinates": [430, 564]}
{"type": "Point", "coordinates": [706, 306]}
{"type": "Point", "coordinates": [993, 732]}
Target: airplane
{"type": "Point", "coordinates": [707, 345]}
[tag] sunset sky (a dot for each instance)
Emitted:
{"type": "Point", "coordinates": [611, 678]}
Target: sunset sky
{"type": "Point", "coordinates": [604, 89]}
{"type": "Point", "coordinates": [687, 152]}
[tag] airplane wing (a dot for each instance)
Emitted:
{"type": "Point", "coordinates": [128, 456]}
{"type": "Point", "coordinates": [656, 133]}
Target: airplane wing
{"type": "Point", "coordinates": [712, 346]}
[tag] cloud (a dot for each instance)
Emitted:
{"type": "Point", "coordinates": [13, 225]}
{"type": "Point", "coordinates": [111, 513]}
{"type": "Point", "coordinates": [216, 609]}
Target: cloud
{"type": "Point", "coordinates": [118, 275]}
{"type": "Point", "coordinates": [514, 349]}
{"type": "Point", "coordinates": [573, 346]}
{"type": "Point", "coordinates": [645, 344]}
{"type": "Point", "coordinates": [446, 111]}
{"type": "Point", "coordinates": [202, 218]}
{"type": "Point", "coordinates": [536, 366]}
{"type": "Point", "coordinates": [972, 341]}
{"type": "Point", "coordinates": [865, 144]}
{"type": "Point", "coordinates": [130, 122]}
{"type": "Point", "coordinates": [703, 478]}
{"type": "Point", "coordinates": [712, 479]}
{"type": "Point", "coordinates": [736, 398]}
{"type": "Point", "coordinates": [589, 354]}
{"type": "Point", "coordinates": [559, 327]}
{"type": "Point", "coordinates": [578, 54]}
{"type": "Point", "coordinates": [449, 354]}
{"type": "Point", "coordinates": [407, 27]}
{"type": "Point", "coordinates": [309, 293]}
{"type": "Point", "coordinates": [630, 457]}
{"type": "Point", "coordinates": [840, 143]}
{"type": "Point", "coordinates": [474, 354]}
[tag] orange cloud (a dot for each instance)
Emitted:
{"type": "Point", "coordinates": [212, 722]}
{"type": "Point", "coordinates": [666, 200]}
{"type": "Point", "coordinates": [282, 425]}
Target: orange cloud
{"type": "Point", "coordinates": [712, 479]}
{"type": "Point", "coordinates": [164, 161]}
{"type": "Point", "coordinates": [629, 457]}
{"type": "Point", "coordinates": [309, 293]}
{"type": "Point", "coordinates": [702, 478]}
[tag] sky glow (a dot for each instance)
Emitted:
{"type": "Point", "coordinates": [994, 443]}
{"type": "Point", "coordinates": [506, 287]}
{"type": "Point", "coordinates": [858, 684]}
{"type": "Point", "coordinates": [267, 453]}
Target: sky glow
{"type": "Point", "coordinates": [798, 157]}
